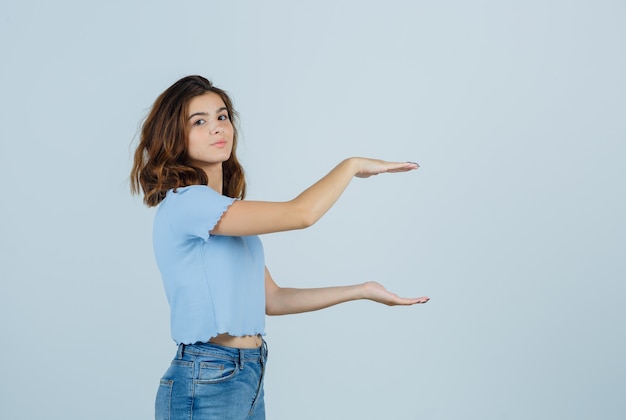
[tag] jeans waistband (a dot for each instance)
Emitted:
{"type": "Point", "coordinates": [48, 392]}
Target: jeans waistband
{"type": "Point", "coordinates": [211, 349]}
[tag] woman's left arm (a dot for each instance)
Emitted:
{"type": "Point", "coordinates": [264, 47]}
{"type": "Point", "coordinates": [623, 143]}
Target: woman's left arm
{"type": "Point", "coordinates": [284, 300]}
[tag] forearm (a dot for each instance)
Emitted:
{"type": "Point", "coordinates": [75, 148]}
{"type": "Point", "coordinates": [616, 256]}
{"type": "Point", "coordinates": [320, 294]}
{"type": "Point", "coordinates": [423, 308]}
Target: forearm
{"type": "Point", "coordinates": [286, 301]}
{"type": "Point", "coordinates": [245, 218]}
{"type": "Point", "coordinates": [316, 200]}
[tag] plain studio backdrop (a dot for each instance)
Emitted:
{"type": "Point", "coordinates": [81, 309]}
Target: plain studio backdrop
{"type": "Point", "coordinates": [514, 225]}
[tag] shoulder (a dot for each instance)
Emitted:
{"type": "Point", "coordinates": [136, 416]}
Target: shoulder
{"type": "Point", "coordinates": [190, 191]}
{"type": "Point", "coordinates": [194, 195]}
{"type": "Point", "coordinates": [194, 209]}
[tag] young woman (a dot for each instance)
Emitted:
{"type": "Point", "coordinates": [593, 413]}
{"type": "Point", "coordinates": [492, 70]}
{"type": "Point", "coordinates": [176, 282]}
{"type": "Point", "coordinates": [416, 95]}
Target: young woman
{"type": "Point", "coordinates": [211, 259]}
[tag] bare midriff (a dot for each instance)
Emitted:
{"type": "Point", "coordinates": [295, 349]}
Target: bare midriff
{"type": "Point", "coordinates": [244, 342]}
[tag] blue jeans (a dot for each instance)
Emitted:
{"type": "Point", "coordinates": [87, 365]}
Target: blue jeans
{"type": "Point", "coordinates": [207, 381]}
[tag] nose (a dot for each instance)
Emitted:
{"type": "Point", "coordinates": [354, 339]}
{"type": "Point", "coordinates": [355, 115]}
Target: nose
{"type": "Point", "coordinates": [217, 129]}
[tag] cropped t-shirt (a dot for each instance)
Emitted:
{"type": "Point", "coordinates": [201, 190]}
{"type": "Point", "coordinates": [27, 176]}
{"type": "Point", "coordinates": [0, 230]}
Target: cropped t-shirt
{"type": "Point", "coordinates": [214, 284]}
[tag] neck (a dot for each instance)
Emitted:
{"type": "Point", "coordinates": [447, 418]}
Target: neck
{"type": "Point", "coordinates": [216, 176]}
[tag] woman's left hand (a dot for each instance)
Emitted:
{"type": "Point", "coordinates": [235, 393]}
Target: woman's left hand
{"type": "Point", "coordinates": [376, 292]}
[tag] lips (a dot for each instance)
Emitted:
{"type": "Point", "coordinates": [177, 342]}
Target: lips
{"type": "Point", "coordinates": [219, 144]}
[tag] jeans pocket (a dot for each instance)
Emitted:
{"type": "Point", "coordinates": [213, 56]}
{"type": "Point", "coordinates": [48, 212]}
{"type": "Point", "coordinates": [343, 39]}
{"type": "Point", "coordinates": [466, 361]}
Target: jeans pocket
{"type": "Point", "coordinates": [217, 370]}
{"type": "Point", "coordinates": [163, 400]}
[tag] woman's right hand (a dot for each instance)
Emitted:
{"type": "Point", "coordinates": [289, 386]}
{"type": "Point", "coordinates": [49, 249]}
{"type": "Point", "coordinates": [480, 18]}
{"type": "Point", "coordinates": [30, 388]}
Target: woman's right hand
{"type": "Point", "coordinates": [368, 167]}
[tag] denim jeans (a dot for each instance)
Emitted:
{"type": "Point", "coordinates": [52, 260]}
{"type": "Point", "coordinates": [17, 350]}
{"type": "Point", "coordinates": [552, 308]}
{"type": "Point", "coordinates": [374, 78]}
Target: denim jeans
{"type": "Point", "coordinates": [207, 381]}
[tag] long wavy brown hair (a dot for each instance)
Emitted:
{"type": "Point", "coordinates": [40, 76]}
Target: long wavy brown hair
{"type": "Point", "coordinates": [161, 160]}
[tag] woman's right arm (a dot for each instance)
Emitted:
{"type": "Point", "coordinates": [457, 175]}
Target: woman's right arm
{"type": "Point", "coordinates": [258, 217]}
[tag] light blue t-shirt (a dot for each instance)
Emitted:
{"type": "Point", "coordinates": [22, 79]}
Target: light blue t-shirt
{"type": "Point", "coordinates": [214, 284]}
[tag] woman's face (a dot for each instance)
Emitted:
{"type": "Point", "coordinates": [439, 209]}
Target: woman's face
{"type": "Point", "coordinates": [210, 131]}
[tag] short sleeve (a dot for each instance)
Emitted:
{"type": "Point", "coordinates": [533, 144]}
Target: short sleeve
{"type": "Point", "coordinates": [196, 209]}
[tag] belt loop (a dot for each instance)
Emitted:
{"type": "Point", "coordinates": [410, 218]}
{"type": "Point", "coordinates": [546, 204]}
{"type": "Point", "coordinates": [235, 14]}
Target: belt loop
{"type": "Point", "coordinates": [241, 357]}
{"type": "Point", "coordinates": [263, 358]}
{"type": "Point", "coordinates": [179, 353]}
{"type": "Point", "coordinates": [264, 350]}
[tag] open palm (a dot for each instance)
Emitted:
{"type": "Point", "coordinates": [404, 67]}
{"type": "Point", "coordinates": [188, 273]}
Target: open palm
{"type": "Point", "coordinates": [376, 292]}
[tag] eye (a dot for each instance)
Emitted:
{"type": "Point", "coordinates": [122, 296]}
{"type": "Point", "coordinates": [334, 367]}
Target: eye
{"type": "Point", "coordinates": [222, 117]}
{"type": "Point", "coordinates": [199, 122]}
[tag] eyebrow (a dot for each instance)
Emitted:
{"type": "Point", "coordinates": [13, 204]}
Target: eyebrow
{"type": "Point", "coordinates": [206, 114]}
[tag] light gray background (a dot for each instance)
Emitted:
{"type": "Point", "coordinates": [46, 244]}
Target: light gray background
{"type": "Point", "coordinates": [514, 226]}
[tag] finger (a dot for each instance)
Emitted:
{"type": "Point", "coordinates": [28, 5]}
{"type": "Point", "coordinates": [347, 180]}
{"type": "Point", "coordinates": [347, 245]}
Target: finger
{"type": "Point", "coordinates": [420, 300]}
{"type": "Point", "coordinates": [413, 301]}
{"type": "Point", "coordinates": [403, 167]}
{"type": "Point", "coordinates": [404, 164]}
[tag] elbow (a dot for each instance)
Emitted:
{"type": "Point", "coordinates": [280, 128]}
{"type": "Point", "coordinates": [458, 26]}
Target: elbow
{"type": "Point", "coordinates": [270, 304]}
{"type": "Point", "coordinates": [307, 219]}
{"type": "Point", "coordinates": [274, 302]}
{"type": "Point", "coordinates": [305, 216]}
{"type": "Point", "coordinates": [271, 310]}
